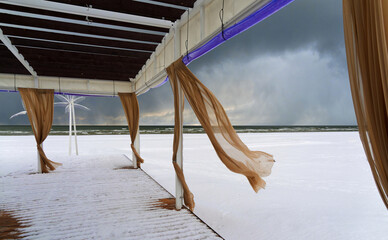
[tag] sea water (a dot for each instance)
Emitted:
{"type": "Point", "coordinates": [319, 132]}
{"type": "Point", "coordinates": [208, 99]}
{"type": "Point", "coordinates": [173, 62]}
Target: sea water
{"type": "Point", "coordinates": [120, 130]}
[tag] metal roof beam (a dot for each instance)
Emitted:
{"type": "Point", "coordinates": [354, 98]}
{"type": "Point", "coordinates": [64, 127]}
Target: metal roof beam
{"type": "Point", "coordinates": [75, 39]}
{"type": "Point", "coordinates": [65, 50]}
{"type": "Point", "coordinates": [80, 22]}
{"type": "Point", "coordinates": [16, 53]}
{"type": "Point", "coordinates": [90, 12]}
{"type": "Point", "coordinates": [80, 44]}
{"type": "Point", "coordinates": [162, 4]}
{"type": "Point", "coordinates": [76, 34]}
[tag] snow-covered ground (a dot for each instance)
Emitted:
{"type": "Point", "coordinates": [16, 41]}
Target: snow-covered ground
{"type": "Point", "coordinates": [90, 197]}
{"type": "Point", "coordinates": [320, 187]}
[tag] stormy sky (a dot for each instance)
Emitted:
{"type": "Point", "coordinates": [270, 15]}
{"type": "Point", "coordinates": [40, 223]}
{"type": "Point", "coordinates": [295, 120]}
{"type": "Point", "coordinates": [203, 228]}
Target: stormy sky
{"type": "Point", "coordinates": [289, 69]}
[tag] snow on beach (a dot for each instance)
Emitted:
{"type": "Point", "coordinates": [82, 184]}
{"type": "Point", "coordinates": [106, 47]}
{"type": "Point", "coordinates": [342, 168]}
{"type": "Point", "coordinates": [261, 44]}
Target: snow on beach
{"type": "Point", "coordinates": [320, 187]}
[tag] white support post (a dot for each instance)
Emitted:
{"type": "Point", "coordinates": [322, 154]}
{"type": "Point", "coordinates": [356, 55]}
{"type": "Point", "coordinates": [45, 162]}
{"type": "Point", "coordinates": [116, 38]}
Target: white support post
{"type": "Point", "coordinates": [179, 157]}
{"type": "Point", "coordinates": [39, 164]}
{"type": "Point", "coordinates": [75, 128]}
{"type": "Point", "coordinates": [36, 84]}
{"type": "Point", "coordinates": [69, 131]}
{"type": "Point", "coordinates": [137, 147]}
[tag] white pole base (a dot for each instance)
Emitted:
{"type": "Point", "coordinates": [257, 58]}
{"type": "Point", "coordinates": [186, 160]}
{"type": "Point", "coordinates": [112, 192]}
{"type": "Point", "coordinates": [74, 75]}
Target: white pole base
{"type": "Point", "coordinates": [137, 147]}
{"type": "Point", "coordinates": [75, 128]}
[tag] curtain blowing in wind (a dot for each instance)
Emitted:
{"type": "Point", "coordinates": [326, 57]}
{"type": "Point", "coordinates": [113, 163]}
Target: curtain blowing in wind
{"type": "Point", "coordinates": [366, 35]}
{"type": "Point", "coordinates": [40, 110]}
{"type": "Point", "coordinates": [230, 149]}
{"type": "Point", "coordinates": [131, 109]}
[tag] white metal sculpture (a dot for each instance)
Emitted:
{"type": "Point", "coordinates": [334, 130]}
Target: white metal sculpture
{"type": "Point", "coordinates": [70, 102]}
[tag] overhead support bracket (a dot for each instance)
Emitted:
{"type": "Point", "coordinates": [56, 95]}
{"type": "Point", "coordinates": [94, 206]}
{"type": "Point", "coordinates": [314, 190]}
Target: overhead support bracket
{"type": "Point", "coordinates": [90, 12]}
{"type": "Point", "coordinates": [16, 53]}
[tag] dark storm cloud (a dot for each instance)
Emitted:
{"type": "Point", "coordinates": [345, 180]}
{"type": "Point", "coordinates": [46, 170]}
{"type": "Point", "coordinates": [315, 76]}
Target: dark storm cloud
{"type": "Point", "coordinates": [301, 24]}
{"type": "Point", "coordinates": [288, 69]}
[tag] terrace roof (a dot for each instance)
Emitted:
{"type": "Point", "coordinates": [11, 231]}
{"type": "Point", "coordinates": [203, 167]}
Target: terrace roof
{"type": "Point", "coordinates": [67, 44]}
{"type": "Point", "coordinates": [97, 47]}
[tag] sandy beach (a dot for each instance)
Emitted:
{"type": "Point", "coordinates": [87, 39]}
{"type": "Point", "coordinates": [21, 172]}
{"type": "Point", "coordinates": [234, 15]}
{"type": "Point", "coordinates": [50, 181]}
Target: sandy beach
{"type": "Point", "coordinates": [320, 187]}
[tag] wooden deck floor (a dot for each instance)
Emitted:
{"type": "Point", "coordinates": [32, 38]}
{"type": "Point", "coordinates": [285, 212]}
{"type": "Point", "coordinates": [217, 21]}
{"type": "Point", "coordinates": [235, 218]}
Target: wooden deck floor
{"type": "Point", "coordinates": [96, 200]}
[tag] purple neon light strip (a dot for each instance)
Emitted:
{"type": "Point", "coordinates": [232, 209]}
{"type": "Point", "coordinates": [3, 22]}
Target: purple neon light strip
{"type": "Point", "coordinates": [83, 94]}
{"type": "Point", "coordinates": [256, 17]}
{"type": "Point", "coordinates": [1, 90]}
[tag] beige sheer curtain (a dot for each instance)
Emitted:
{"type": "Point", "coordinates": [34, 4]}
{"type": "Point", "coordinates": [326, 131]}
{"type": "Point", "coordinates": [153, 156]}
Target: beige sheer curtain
{"type": "Point", "coordinates": [230, 149]}
{"type": "Point", "coordinates": [131, 109]}
{"type": "Point", "coordinates": [366, 34]}
{"type": "Point", "coordinates": [39, 105]}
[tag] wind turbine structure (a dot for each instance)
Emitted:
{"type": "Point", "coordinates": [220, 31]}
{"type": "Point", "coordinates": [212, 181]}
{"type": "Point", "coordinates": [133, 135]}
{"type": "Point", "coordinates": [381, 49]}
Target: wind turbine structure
{"type": "Point", "coordinates": [70, 102]}
{"type": "Point", "coordinates": [24, 113]}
